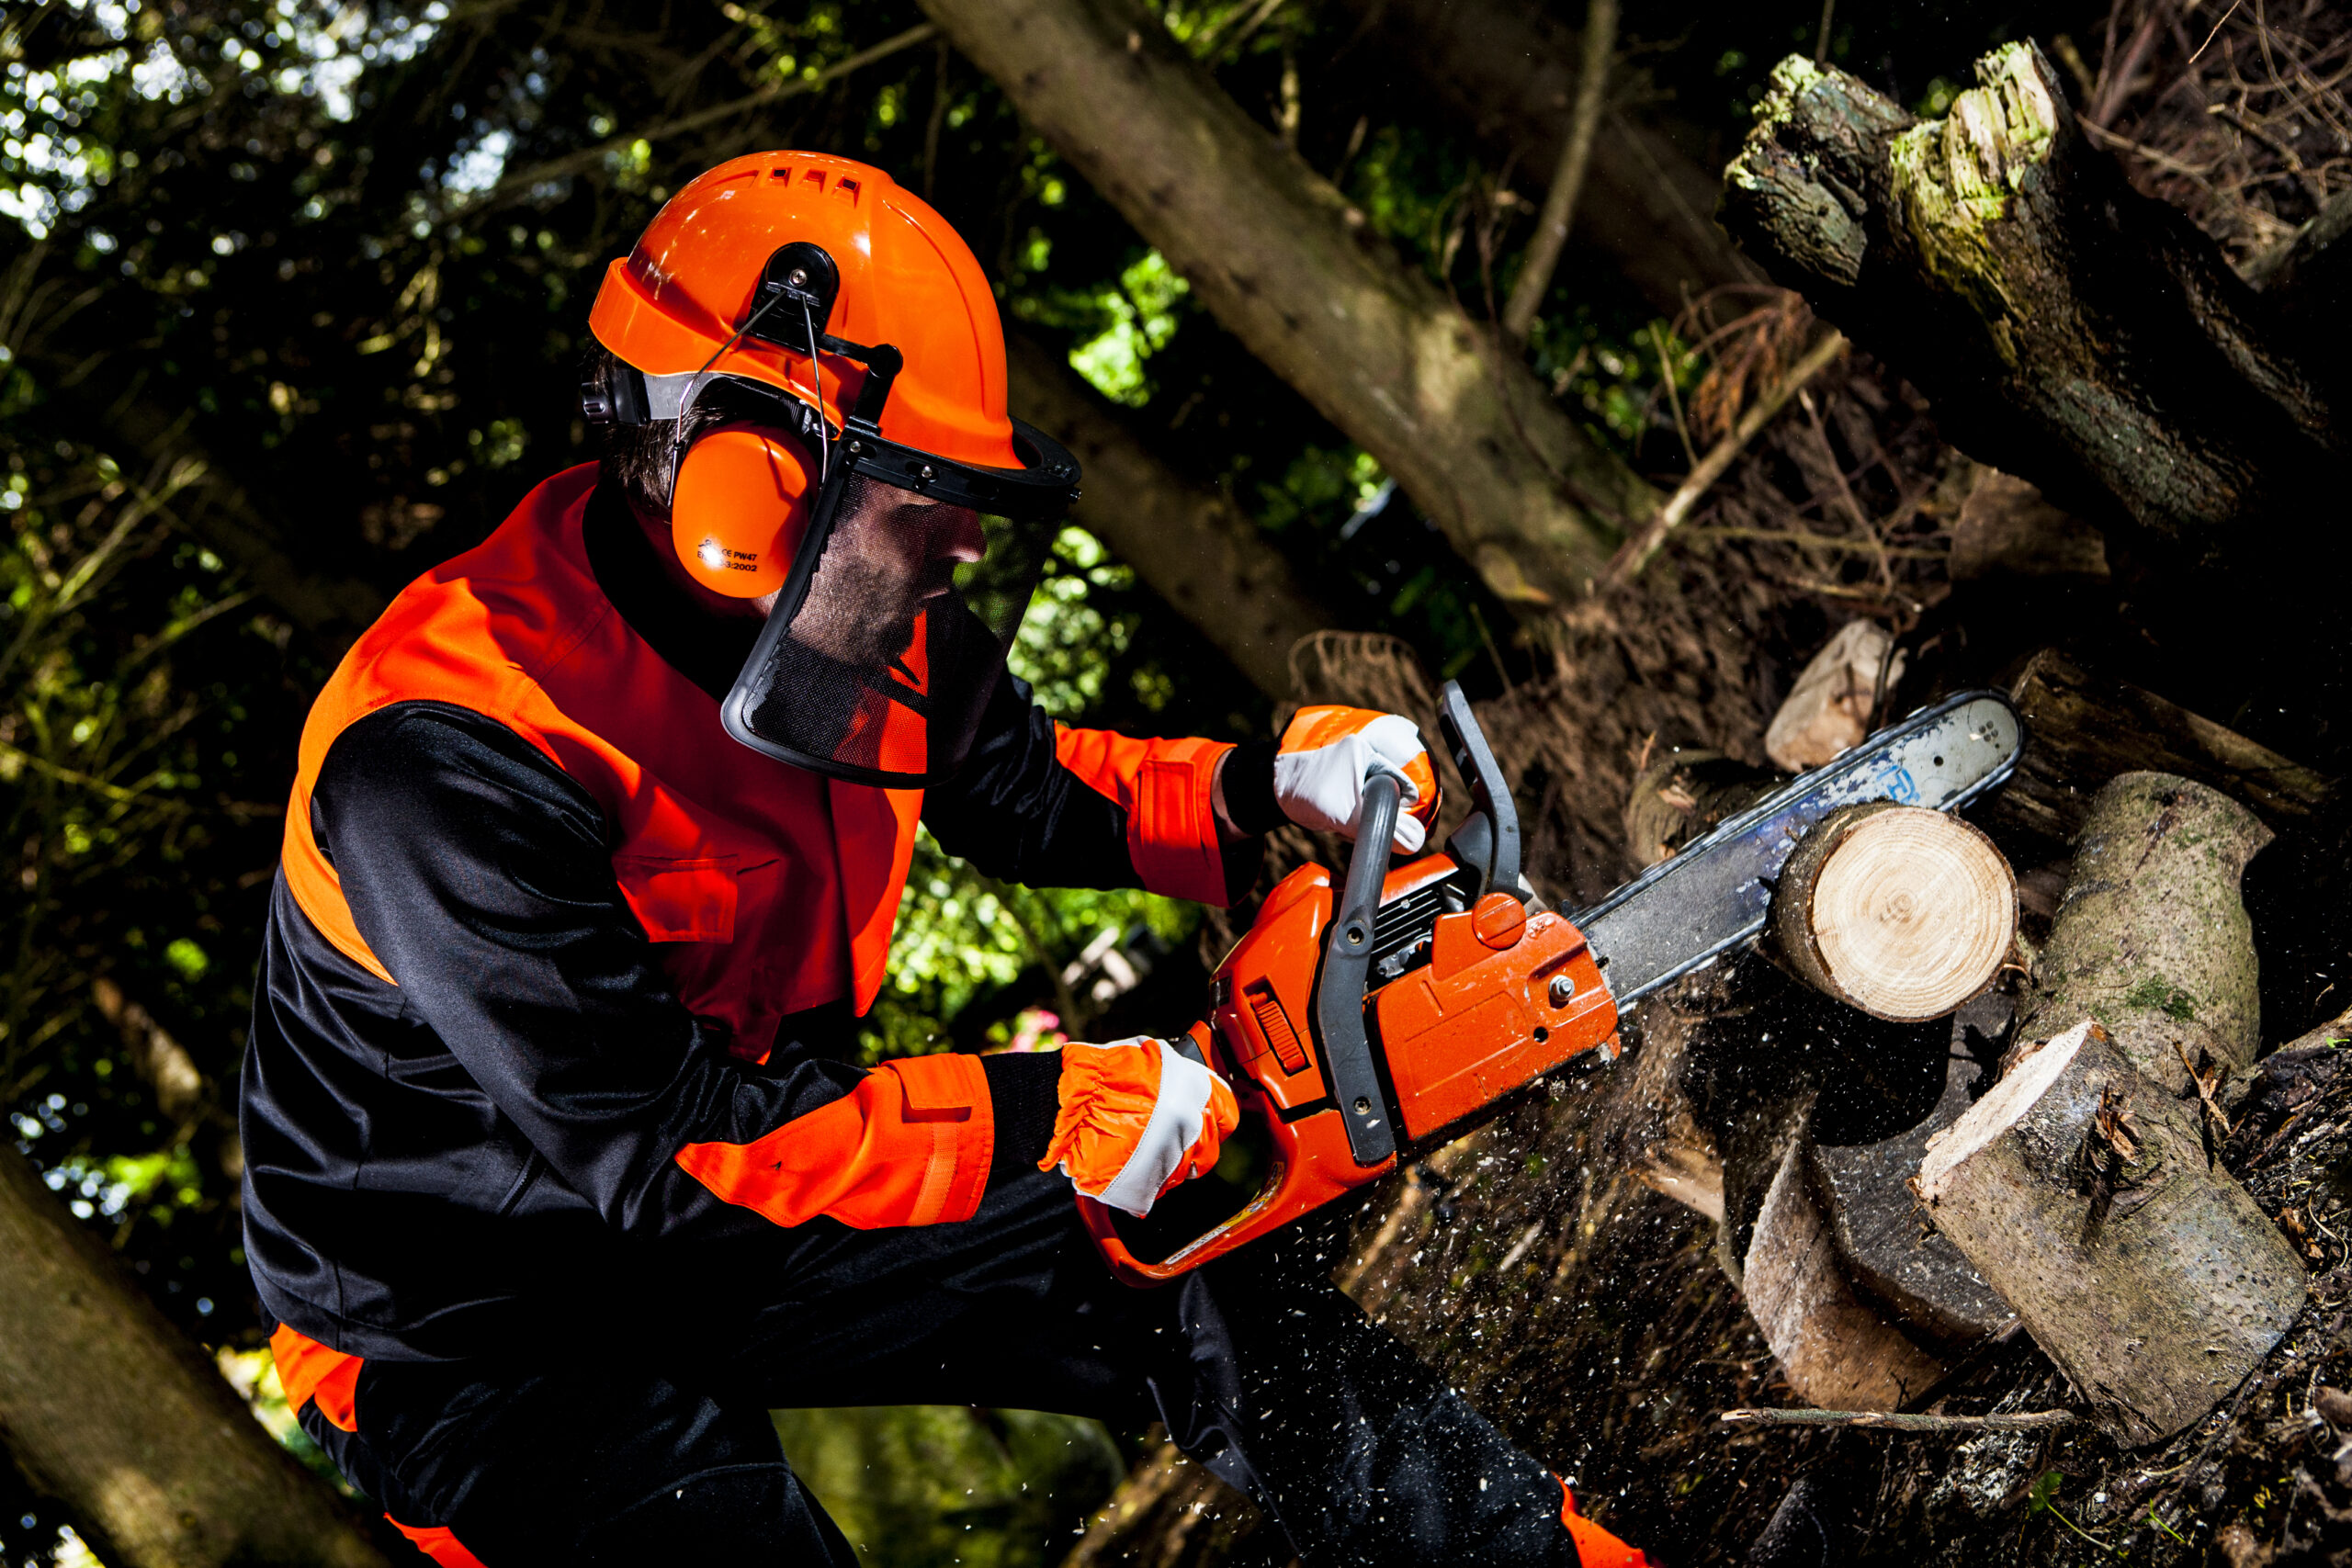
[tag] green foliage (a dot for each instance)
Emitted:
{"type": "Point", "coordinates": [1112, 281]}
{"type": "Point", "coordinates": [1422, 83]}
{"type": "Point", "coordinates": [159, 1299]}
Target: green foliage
{"type": "Point", "coordinates": [1142, 316]}
{"type": "Point", "coordinates": [952, 1486]}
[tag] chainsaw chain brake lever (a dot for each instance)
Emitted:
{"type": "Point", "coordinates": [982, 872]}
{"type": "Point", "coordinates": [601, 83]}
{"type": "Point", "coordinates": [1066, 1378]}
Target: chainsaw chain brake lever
{"type": "Point", "coordinates": [1348, 1067]}
{"type": "Point", "coordinates": [1488, 841]}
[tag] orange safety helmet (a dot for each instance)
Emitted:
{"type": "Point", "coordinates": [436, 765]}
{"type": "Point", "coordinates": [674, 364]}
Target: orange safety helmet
{"type": "Point", "coordinates": [865, 321]}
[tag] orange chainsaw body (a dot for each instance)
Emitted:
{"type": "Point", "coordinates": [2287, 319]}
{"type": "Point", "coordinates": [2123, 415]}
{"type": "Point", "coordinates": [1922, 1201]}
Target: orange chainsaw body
{"type": "Point", "coordinates": [1487, 997]}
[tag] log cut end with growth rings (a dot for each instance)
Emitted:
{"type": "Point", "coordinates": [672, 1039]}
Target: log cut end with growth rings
{"type": "Point", "coordinates": [1900, 911]}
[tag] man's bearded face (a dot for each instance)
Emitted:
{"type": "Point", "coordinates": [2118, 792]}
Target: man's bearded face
{"type": "Point", "coordinates": [893, 555]}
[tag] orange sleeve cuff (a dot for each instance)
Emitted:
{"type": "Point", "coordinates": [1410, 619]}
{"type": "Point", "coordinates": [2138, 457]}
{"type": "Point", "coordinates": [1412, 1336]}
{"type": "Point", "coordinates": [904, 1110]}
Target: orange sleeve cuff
{"type": "Point", "coordinates": [910, 1145]}
{"type": "Point", "coordinates": [1164, 787]}
{"type": "Point", "coordinates": [307, 1371]}
{"type": "Point", "coordinates": [1596, 1548]}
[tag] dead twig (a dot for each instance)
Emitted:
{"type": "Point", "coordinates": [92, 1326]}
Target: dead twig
{"type": "Point", "coordinates": [1897, 1421]}
{"type": "Point", "coordinates": [1567, 177]}
{"type": "Point", "coordinates": [1637, 551]}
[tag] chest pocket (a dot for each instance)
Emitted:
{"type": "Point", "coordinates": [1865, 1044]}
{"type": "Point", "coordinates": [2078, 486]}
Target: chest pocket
{"type": "Point", "coordinates": [679, 900]}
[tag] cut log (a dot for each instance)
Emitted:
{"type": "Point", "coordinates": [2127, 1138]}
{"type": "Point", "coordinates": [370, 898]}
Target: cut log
{"type": "Point", "coordinates": [1287, 264]}
{"type": "Point", "coordinates": [2082, 1192]}
{"type": "Point", "coordinates": [1829, 708]}
{"type": "Point", "coordinates": [2153, 938]}
{"type": "Point", "coordinates": [1886, 1248]}
{"type": "Point", "coordinates": [1837, 1350]}
{"type": "Point", "coordinates": [1683, 794]}
{"type": "Point", "coordinates": [1902, 912]}
{"type": "Point", "coordinates": [2083, 337]}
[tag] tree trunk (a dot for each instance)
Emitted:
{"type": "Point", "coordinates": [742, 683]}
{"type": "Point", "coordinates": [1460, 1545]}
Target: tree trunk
{"type": "Point", "coordinates": [1189, 544]}
{"type": "Point", "coordinates": [1837, 1350]}
{"type": "Point", "coordinates": [2153, 938]}
{"type": "Point", "coordinates": [1286, 263]}
{"type": "Point", "coordinates": [1896, 910]}
{"type": "Point", "coordinates": [2083, 1194]}
{"type": "Point", "coordinates": [1509, 73]}
{"type": "Point", "coordinates": [107, 1407]}
{"type": "Point", "coordinates": [2083, 337]}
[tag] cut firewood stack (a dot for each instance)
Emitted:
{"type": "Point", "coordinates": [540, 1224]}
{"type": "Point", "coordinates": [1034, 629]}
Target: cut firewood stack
{"type": "Point", "coordinates": [2068, 1183]}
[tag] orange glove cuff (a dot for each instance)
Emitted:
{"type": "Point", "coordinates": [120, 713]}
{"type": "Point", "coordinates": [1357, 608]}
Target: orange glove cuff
{"type": "Point", "coordinates": [1136, 1119]}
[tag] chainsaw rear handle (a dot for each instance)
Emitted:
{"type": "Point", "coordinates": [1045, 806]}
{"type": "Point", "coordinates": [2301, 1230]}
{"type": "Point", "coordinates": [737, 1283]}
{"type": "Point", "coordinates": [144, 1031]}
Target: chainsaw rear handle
{"type": "Point", "coordinates": [1348, 1070]}
{"type": "Point", "coordinates": [1300, 1181]}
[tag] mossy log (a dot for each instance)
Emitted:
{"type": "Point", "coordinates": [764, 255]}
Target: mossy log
{"type": "Point", "coordinates": [2084, 338]}
{"type": "Point", "coordinates": [2153, 938]}
{"type": "Point", "coordinates": [2085, 1194]}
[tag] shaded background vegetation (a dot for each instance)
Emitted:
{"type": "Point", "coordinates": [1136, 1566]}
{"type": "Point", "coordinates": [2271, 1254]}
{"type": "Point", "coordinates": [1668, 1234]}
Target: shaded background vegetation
{"type": "Point", "coordinates": [315, 277]}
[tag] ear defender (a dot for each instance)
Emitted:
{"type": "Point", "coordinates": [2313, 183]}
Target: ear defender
{"type": "Point", "coordinates": [737, 510]}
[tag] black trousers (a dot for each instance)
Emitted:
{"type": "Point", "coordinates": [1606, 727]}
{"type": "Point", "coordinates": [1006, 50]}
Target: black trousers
{"type": "Point", "coordinates": [616, 1439]}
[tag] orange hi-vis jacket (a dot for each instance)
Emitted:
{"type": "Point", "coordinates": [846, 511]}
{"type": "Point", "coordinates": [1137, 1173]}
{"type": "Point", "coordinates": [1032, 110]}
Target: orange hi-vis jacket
{"type": "Point", "coordinates": [542, 931]}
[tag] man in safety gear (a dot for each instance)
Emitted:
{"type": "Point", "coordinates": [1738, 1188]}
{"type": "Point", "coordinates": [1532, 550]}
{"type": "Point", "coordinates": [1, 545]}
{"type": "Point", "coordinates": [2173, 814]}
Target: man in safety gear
{"type": "Point", "coordinates": [556, 1181]}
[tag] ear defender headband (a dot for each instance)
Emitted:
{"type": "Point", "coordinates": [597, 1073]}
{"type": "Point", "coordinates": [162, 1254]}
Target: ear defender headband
{"type": "Point", "coordinates": [739, 494]}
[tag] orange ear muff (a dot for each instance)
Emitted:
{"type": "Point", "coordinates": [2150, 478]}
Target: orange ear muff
{"type": "Point", "coordinates": [737, 510]}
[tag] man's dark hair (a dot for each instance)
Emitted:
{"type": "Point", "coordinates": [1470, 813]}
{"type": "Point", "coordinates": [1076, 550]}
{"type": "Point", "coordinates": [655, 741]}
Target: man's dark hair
{"type": "Point", "coordinates": [636, 457]}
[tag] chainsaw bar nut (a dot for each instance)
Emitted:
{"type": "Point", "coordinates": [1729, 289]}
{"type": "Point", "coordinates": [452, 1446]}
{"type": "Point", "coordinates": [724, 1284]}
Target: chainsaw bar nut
{"type": "Point", "coordinates": [1564, 990]}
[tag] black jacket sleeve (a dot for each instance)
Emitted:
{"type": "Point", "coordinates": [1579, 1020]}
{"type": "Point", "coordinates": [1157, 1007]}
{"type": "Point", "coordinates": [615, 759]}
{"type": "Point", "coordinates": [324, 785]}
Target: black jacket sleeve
{"type": "Point", "coordinates": [480, 874]}
{"type": "Point", "coordinates": [1020, 814]}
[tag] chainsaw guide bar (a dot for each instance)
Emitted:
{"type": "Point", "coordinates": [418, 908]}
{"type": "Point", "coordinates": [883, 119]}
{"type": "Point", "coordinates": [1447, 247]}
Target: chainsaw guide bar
{"type": "Point", "coordinates": [1716, 892]}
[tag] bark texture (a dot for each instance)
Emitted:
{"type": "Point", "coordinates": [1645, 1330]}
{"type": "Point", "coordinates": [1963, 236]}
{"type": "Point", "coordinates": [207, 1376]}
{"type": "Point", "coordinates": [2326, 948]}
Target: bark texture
{"type": "Point", "coordinates": [2083, 337]}
{"type": "Point", "coordinates": [2153, 938]}
{"type": "Point", "coordinates": [2082, 728]}
{"type": "Point", "coordinates": [106, 1406]}
{"type": "Point", "coordinates": [1194, 547]}
{"type": "Point", "coordinates": [1510, 73]}
{"type": "Point", "coordinates": [2155, 1308]}
{"type": "Point", "coordinates": [1291, 268]}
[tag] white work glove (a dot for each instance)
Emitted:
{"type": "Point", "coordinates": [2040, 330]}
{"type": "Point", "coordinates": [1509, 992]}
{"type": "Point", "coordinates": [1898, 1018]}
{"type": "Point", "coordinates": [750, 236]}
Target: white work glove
{"type": "Point", "coordinates": [1137, 1118]}
{"type": "Point", "coordinates": [1328, 753]}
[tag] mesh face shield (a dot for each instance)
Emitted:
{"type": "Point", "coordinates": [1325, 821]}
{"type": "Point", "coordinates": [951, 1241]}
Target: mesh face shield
{"type": "Point", "coordinates": [890, 632]}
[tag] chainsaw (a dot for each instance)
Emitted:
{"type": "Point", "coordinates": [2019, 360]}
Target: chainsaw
{"type": "Point", "coordinates": [1364, 1023]}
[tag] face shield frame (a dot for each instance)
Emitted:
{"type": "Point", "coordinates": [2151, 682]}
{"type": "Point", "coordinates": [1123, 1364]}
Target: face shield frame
{"type": "Point", "coordinates": [1036, 497]}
